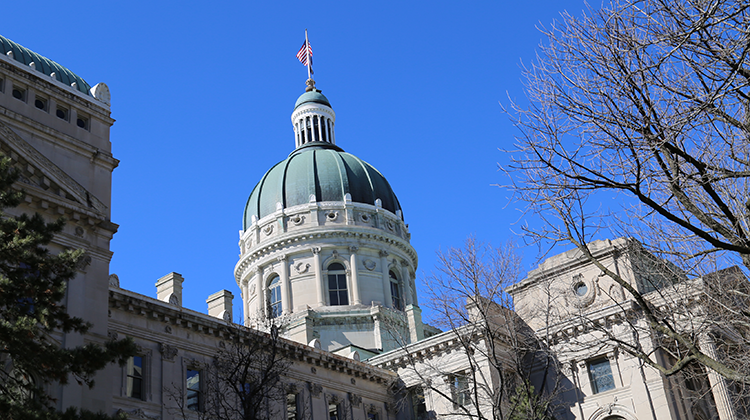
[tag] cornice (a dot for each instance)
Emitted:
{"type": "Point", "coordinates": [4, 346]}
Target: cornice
{"type": "Point", "coordinates": [152, 309]}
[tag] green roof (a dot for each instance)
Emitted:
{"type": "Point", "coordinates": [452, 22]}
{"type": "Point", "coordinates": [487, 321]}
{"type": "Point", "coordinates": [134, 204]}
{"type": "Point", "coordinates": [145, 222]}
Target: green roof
{"type": "Point", "coordinates": [323, 170]}
{"type": "Point", "coordinates": [43, 65]}
{"type": "Point", "coordinates": [312, 96]}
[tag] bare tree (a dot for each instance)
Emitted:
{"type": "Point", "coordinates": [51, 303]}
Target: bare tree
{"type": "Point", "coordinates": [245, 380]}
{"type": "Point", "coordinates": [488, 365]}
{"type": "Point", "coordinates": [646, 104]}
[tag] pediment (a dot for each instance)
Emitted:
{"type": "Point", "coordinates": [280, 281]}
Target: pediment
{"type": "Point", "coordinates": [43, 175]}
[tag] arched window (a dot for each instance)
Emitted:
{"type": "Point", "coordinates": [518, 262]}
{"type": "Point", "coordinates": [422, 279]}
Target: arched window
{"type": "Point", "coordinates": [274, 297]}
{"type": "Point", "coordinates": [337, 292]}
{"type": "Point", "coordinates": [398, 302]}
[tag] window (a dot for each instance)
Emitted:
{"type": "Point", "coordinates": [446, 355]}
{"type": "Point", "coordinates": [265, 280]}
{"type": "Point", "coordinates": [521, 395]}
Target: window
{"type": "Point", "coordinates": [372, 416]}
{"type": "Point", "coordinates": [193, 385]}
{"type": "Point", "coordinates": [418, 403]}
{"type": "Point", "coordinates": [62, 113]}
{"type": "Point", "coordinates": [19, 93]}
{"type": "Point", "coordinates": [398, 303]}
{"type": "Point", "coordinates": [460, 390]}
{"type": "Point", "coordinates": [292, 409]}
{"type": "Point", "coordinates": [82, 122]}
{"type": "Point", "coordinates": [600, 374]}
{"type": "Point", "coordinates": [337, 292]}
{"type": "Point", "coordinates": [334, 412]}
{"type": "Point", "coordinates": [41, 103]}
{"type": "Point", "coordinates": [134, 386]}
{"type": "Point", "coordinates": [274, 297]}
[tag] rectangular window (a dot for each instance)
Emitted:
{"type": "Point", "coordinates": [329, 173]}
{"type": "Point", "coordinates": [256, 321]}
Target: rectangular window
{"type": "Point", "coordinates": [193, 385]}
{"type": "Point", "coordinates": [135, 377]}
{"type": "Point", "coordinates": [333, 412]}
{"type": "Point", "coordinates": [292, 409]}
{"type": "Point", "coordinates": [460, 390]}
{"type": "Point", "coordinates": [396, 296]}
{"type": "Point", "coordinates": [600, 374]}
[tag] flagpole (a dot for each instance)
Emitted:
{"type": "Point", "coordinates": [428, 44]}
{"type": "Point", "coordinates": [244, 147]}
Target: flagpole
{"type": "Point", "coordinates": [307, 52]}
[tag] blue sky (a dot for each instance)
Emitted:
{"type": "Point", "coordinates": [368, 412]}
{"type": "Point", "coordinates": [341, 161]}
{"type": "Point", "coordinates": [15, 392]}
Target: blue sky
{"type": "Point", "coordinates": [203, 92]}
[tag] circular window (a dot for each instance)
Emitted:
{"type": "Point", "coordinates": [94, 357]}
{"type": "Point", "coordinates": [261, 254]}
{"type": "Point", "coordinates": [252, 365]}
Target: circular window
{"type": "Point", "coordinates": [581, 289]}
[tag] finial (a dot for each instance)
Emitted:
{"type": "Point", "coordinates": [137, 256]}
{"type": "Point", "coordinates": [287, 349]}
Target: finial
{"type": "Point", "coordinates": [310, 85]}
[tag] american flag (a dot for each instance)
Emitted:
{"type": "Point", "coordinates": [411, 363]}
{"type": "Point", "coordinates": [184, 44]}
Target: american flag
{"type": "Point", "coordinates": [304, 52]}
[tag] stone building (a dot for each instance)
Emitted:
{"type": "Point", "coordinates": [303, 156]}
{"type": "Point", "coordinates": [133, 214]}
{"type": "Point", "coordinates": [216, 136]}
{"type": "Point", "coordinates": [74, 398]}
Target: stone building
{"type": "Point", "coordinates": [325, 255]}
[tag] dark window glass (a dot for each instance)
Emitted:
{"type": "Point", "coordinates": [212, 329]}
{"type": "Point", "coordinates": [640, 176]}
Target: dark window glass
{"type": "Point", "coordinates": [292, 413]}
{"type": "Point", "coordinates": [398, 303]}
{"type": "Point", "coordinates": [333, 412]}
{"type": "Point", "coordinates": [135, 377]}
{"type": "Point", "coordinates": [82, 122]}
{"type": "Point", "coordinates": [193, 385]}
{"type": "Point", "coordinates": [460, 385]}
{"type": "Point", "coordinates": [274, 298]}
{"type": "Point", "coordinates": [600, 374]}
{"type": "Point", "coordinates": [19, 93]}
{"type": "Point", "coordinates": [418, 403]}
{"type": "Point", "coordinates": [337, 291]}
{"type": "Point", "coordinates": [62, 114]}
{"type": "Point", "coordinates": [40, 103]}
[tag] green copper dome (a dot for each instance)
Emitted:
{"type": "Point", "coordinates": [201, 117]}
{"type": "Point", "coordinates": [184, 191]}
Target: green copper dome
{"type": "Point", "coordinates": [312, 96]}
{"type": "Point", "coordinates": [322, 170]}
{"type": "Point", "coordinates": [43, 65]}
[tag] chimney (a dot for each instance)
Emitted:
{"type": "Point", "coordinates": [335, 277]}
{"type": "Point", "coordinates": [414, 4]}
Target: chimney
{"type": "Point", "coordinates": [220, 305]}
{"type": "Point", "coordinates": [169, 288]}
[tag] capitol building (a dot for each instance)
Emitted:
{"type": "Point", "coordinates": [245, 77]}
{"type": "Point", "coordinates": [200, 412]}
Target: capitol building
{"type": "Point", "coordinates": [326, 262]}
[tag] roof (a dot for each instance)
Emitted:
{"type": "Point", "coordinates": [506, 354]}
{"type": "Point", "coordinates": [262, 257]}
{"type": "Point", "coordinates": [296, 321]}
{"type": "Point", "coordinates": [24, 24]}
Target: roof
{"type": "Point", "coordinates": [312, 96]}
{"type": "Point", "coordinates": [323, 170]}
{"type": "Point", "coordinates": [43, 65]}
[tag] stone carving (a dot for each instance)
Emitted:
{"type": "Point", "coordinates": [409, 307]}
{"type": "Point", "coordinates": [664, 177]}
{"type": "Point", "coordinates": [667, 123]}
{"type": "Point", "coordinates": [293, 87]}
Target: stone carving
{"type": "Point", "coordinates": [301, 267]}
{"type": "Point", "coordinates": [313, 370]}
{"type": "Point", "coordinates": [354, 381]}
{"type": "Point", "coordinates": [315, 250]}
{"type": "Point", "coordinates": [383, 254]}
{"type": "Point", "coordinates": [173, 300]}
{"type": "Point", "coordinates": [101, 92]}
{"type": "Point", "coordinates": [281, 258]}
{"type": "Point", "coordinates": [353, 249]}
{"type": "Point", "coordinates": [355, 399]}
{"type": "Point", "coordinates": [112, 335]}
{"type": "Point", "coordinates": [114, 280]}
{"type": "Point", "coordinates": [315, 389]}
{"type": "Point", "coordinates": [168, 329]}
{"type": "Point", "coordinates": [372, 409]}
{"type": "Point", "coordinates": [252, 289]}
{"type": "Point", "coordinates": [332, 215]}
{"type": "Point", "coordinates": [79, 232]}
{"type": "Point", "coordinates": [222, 345]}
{"type": "Point", "coordinates": [167, 352]}
{"type": "Point", "coordinates": [364, 217]}
{"type": "Point", "coordinates": [297, 219]}
{"type": "Point", "coordinates": [389, 225]}
{"type": "Point", "coordinates": [369, 264]}
{"type": "Point", "coordinates": [84, 262]}
{"type": "Point", "coordinates": [268, 229]}
{"type": "Point", "coordinates": [333, 399]}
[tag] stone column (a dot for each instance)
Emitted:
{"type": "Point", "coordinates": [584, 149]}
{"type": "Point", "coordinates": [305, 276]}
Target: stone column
{"type": "Point", "coordinates": [406, 282]}
{"type": "Point", "coordinates": [355, 275]}
{"type": "Point", "coordinates": [286, 295]}
{"type": "Point", "coordinates": [260, 292]}
{"type": "Point", "coordinates": [718, 384]}
{"type": "Point", "coordinates": [246, 302]}
{"type": "Point", "coordinates": [319, 276]}
{"type": "Point", "coordinates": [388, 302]}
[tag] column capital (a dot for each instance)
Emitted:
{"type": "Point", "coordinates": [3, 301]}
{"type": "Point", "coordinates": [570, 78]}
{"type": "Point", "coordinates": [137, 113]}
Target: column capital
{"type": "Point", "coordinates": [281, 258]}
{"type": "Point", "coordinates": [353, 249]}
{"type": "Point", "coordinates": [315, 250]}
{"type": "Point", "coordinates": [383, 253]}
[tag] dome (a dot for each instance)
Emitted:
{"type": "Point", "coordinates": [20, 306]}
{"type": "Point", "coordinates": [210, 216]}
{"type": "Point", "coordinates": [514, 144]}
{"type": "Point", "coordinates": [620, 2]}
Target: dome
{"type": "Point", "coordinates": [323, 170]}
{"type": "Point", "coordinates": [312, 96]}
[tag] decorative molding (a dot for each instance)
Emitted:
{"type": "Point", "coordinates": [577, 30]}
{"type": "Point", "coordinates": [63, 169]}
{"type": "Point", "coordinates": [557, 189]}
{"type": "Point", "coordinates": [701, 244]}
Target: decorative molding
{"type": "Point", "coordinates": [301, 267]}
{"type": "Point", "coordinates": [369, 264]}
{"type": "Point", "coordinates": [353, 249]}
{"type": "Point", "coordinates": [297, 219]}
{"type": "Point", "coordinates": [112, 335]}
{"type": "Point", "coordinates": [383, 253]}
{"type": "Point", "coordinates": [267, 229]}
{"type": "Point", "coordinates": [114, 280]}
{"type": "Point", "coordinates": [315, 389]}
{"type": "Point", "coordinates": [355, 399]}
{"type": "Point", "coordinates": [168, 352]}
{"type": "Point", "coordinates": [332, 215]}
{"type": "Point", "coordinates": [316, 250]}
{"type": "Point", "coordinates": [252, 289]}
